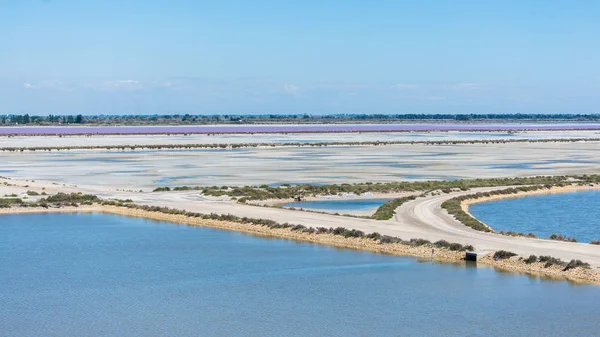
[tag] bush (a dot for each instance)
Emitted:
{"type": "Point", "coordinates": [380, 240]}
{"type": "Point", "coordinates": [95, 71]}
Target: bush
{"type": "Point", "coordinates": [595, 242]}
{"type": "Point", "coordinates": [450, 246]}
{"type": "Point", "coordinates": [441, 243]}
{"type": "Point", "coordinates": [456, 247]}
{"type": "Point", "coordinates": [71, 198]}
{"type": "Point", "coordinates": [9, 202]}
{"type": "Point", "coordinates": [561, 237]}
{"type": "Point", "coordinates": [374, 236]}
{"type": "Point", "coordinates": [354, 233]}
{"type": "Point", "coordinates": [550, 261]}
{"type": "Point", "coordinates": [181, 188]}
{"type": "Point", "coordinates": [419, 242]}
{"type": "Point", "coordinates": [531, 259]}
{"type": "Point", "coordinates": [576, 263]}
{"type": "Point", "coordinates": [389, 239]}
{"type": "Point", "coordinates": [503, 254]}
{"type": "Point", "coordinates": [322, 230]}
{"type": "Point", "coordinates": [388, 209]}
{"type": "Point", "coordinates": [298, 227]}
{"type": "Point", "coordinates": [453, 207]}
{"type": "Point", "coordinates": [162, 189]}
{"type": "Point", "coordinates": [32, 193]}
{"type": "Point", "coordinates": [339, 231]}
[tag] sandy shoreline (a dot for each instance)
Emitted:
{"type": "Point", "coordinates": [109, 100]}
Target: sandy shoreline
{"type": "Point", "coordinates": [441, 255]}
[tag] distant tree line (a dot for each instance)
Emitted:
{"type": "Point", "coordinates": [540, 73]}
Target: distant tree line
{"type": "Point", "coordinates": [183, 119]}
{"type": "Point", "coordinates": [41, 120]}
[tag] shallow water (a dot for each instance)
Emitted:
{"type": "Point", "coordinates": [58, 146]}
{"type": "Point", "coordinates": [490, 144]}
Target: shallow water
{"type": "Point", "coordinates": [339, 205]}
{"type": "Point", "coordinates": [97, 274]}
{"type": "Point", "coordinates": [282, 128]}
{"type": "Point", "coordinates": [574, 214]}
{"type": "Point", "coordinates": [302, 165]}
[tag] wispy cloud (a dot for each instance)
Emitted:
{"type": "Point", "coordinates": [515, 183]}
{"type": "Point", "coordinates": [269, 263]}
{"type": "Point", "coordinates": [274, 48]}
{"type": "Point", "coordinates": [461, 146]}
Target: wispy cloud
{"type": "Point", "coordinates": [404, 86]}
{"type": "Point", "coordinates": [126, 82]}
{"type": "Point", "coordinates": [28, 85]}
{"type": "Point", "coordinates": [465, 86]}
{"type": "Point", "coordinates": [113, 85]}
{"type": "Point", "coordinates": [291, 89]}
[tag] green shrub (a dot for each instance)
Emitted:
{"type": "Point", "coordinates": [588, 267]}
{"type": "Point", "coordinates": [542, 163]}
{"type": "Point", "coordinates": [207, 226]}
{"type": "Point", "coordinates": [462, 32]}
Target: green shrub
{"type": "Point", "coordinates": [70, 198]}
{"type": "Point", "coordinates": [576, 263]}
{"type": "Point", "coordinates": [550, 261]}
{"type": "Point", "coordinates": [389, 239]}
{"type": "Point", "coordinates": [503, 254]}
{"type": "Point", "coordinates": [162, 189]}
{"type": "Point", "coordinates": [419, 242]}
{"type": "Point", "coordinates": [560, 237]}
{"type": "Point", "coordinates": [267, 192]}
{"type": "Point", "coordinates": [9, 202]}
{"type": "Point", "coordinates": [388, 209]}
{"type": "Point", "coordinates": [374, 236]}
{"type": "Point", "coordinates": [531, 259]}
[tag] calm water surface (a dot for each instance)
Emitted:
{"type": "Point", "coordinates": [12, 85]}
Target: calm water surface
{"type": "Point", "coordinates": [574, 214]}
{"type": "Point", "coordinates": [95, 274]}
{"type": "Point", "coordinates": [339, 205]}
{"type": "Point", "coordinates": [281, 128]}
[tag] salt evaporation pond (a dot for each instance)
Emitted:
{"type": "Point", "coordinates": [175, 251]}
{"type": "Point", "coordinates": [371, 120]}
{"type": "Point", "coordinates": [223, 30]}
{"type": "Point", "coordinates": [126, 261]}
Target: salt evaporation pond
{"type": "Point", "coordinates": [97, 274]}
{"type": "Point", "coordinates": [283, 128]}
{"type": "Point", "coordinates": [575, 214]}
{"type": "Point", "coordinates": [339, 205]}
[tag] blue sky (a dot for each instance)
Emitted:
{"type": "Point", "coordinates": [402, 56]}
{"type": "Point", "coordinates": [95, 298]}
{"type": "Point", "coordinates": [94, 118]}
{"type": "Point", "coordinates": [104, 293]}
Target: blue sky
{"type": "Point", "coordinates": [327, 56]}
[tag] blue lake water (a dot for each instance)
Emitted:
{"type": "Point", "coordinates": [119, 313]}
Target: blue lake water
{"type": "Point", "coordinates": [574, 214]}
{"type": "Point", "coordinates": [96, 274]}
{"type": "Point", "coordinates": [339, 204]}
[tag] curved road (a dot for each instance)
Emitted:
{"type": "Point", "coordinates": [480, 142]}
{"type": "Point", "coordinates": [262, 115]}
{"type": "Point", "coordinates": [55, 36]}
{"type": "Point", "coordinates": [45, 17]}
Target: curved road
{"type": "Point", "coordinates": [427, 214]}
{"type": "Point", "coordinates": [420, 218]}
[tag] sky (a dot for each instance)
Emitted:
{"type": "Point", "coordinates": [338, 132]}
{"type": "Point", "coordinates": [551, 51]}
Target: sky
{"type": "Point", "coordinates": [310, 56]}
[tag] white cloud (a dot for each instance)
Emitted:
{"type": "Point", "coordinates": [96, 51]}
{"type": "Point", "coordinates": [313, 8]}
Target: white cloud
{"type": "Point", "coordinates": [28, 85]}
{"type": "Point", "coordinates": [465, 86]}
{"type": "Point", "coordinates": [113, 85]}
{"type": "Point", "coordinates": [50, 84]}
{"type": "Point", "coordinates": [127, 82]}
{"type": "Point", "coordinates": [404, 86]}
{"type": "Point", "coordinates": [291, 89]}
{"type": "Point", "coordinates": [339, 86]}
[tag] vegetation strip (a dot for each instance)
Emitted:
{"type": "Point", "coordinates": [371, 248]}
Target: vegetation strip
{"type": "Point", "coordinates": [286, 191]}
{"type": "Point", "coordinates": [388, 209]}
{"type": "Point", "coordinates": [221, 146]}
{"type": "Point", "coordinates": [188, 119]}
{"type": "Point", "coordinates": [548, 261]}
